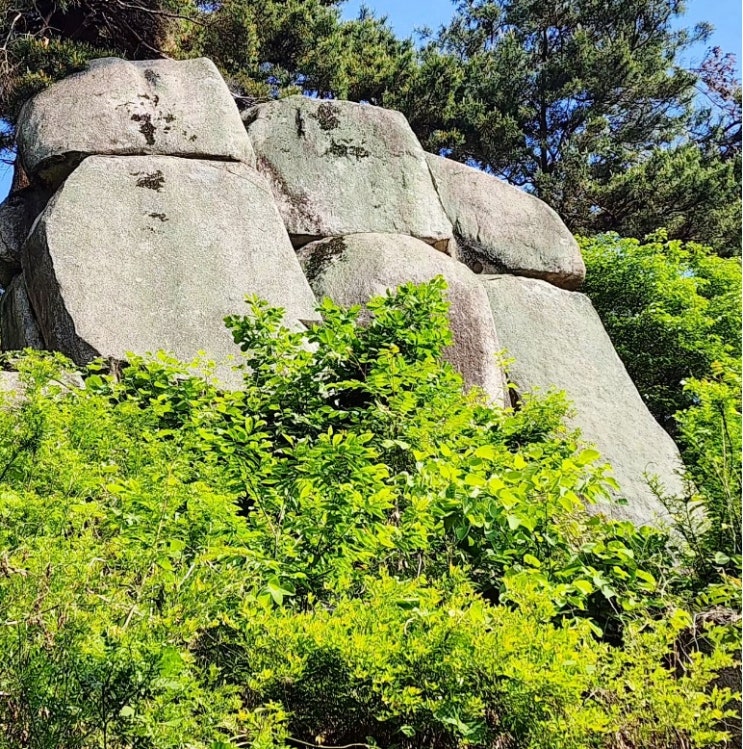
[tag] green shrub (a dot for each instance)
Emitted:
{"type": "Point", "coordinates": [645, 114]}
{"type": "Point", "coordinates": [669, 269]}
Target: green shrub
{"type": "Point", "coordinates": [673, 312]}
{"type": "Point", "coordinates": [347, 550]}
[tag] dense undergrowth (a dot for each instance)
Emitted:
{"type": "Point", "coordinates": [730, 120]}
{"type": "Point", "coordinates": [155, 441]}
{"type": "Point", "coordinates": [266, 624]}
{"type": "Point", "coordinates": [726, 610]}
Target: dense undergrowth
{"type": "Point", "coordinates": [673, 312]}
{"type": "Point", "coordinates": [347, 551]}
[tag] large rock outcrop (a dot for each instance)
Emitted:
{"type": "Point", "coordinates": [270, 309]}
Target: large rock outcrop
{"type": "Point", "coordinates": [558, 341]}
{"type": "Point", "coordinates": [165, 217]}
{"type": "Point", "coordinates": [120, 107]}
{"type": "Point", "coordinates": [158, 258]}
{"type": "Point", "coordinates": [354, 268]}
{"type": "Point", "coordinates": [501, 229]}
{"type": "Point", "coordinates": [342, 168]}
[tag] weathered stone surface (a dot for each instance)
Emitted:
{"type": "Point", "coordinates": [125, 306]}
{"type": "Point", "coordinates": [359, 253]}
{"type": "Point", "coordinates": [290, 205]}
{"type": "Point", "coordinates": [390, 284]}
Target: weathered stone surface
{"type": "Point", "coordinates": [18, 326]}
{"type": "Point", "coordinates": [340, 168]}
{"type": "Point", "coordinates": [146, 253]}
{"type": "Point", "coordinates": [178, 108]}
{"type": "Point", "coordinates": [558, 340]}
{"type": "Point", "coordinates": [501, 229]}
{"type": "Point", "coordinates": [354, 268]}
{"type": "Point", "coordinates": [17, 214]}
{"type": "Point", "coordinates": [12, 390]}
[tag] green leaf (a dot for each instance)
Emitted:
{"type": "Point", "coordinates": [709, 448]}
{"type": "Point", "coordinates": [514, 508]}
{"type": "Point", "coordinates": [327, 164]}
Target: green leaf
{"type": "Point", "coordinates": [487, 452]}
{"type": "Point", "coordinates": [587, 456]}
{"type": "Point", "coordinates": [583, 586]}
{"type": "Point", "coordinates": [531, 560]}
{"type": "Point", "coordinates": [171, 662]}
{"type": "Point", "coordinates": [514, 521]}
{"type": "Point", "coordinates": [278, 591]}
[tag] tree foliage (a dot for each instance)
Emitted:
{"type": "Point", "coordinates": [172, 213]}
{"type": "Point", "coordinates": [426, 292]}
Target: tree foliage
{"type": "Point", "coordinates": [691, 191]}
{"type": "Point", "coordinates": [319, 558]}
{"type": "Point", "coordinates": [555, 96]}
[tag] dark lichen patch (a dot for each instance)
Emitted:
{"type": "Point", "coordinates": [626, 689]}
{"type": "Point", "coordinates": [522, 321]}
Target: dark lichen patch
{"type": "Point", "coordinates": [321, 256]}
{"type": "Point", "coordinates": [299, 123]}
{"type": "Point", "coordinates": [327, 116]}
{"type": "Point", "coordinates": [347, 149]}
{"type": "Point", "coordinates": [169, 117]}
{"type": "Point", "coordinates": [160, 216]}
{"type": "Point", "coordinates": [155, 99]}
{"type": "Point", "coordinates": [151, 76]}
{"type": "Point", "coordinates": [146, 127]}
{"type": "Point", "coordinates": [150, 180]}
{"type": "Point", "coordinates": [477, 260]}
{"type": "Point", "coordinates": [193, 138]}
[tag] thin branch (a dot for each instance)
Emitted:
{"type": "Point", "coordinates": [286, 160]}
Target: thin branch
{"type": "Point", "coordinates": [328, 746]}
{"type": "Point", "coordinates": [163, 13]}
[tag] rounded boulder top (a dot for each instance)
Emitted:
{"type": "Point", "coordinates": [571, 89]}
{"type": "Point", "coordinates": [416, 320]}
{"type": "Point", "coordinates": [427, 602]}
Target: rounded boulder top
{"type": "Point", "coordinates": [118, 107]}
{"type": "Point", "coordinates": [338, 167]}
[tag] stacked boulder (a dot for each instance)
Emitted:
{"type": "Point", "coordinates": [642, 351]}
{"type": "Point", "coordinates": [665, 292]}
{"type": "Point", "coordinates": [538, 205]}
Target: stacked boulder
{"type": "Point", "coordinates": [159, 224]}
{"type": "Point", "coordinates": [153, 210]}
{"type": "Point", "coordinates": [357, 175]}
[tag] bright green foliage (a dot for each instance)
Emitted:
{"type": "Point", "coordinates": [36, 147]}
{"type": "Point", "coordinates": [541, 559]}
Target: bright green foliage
{"type": "Point", "coordinates": [710, 436]}
{"type": "Point", "coordinates": [347, 550]}
{"type": "Point", "coordinates": [673, 312]}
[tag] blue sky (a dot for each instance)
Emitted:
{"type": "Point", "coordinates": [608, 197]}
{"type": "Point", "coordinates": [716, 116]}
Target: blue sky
{"type": "Point", "coordinates": [407, 15]}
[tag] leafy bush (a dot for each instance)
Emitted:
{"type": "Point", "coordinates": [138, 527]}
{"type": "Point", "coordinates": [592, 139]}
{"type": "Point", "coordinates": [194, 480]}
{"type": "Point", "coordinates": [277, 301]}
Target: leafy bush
{"type": "Point", "coordinates": [673, 312]}
{"type": "Point", "coordinates": [347, 550]}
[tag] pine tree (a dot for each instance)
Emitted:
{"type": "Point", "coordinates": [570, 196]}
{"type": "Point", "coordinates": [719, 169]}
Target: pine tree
{"type": "Point", "coordinates": [560, 92]}
{"type": "Point", "coordinates": [585, 104]}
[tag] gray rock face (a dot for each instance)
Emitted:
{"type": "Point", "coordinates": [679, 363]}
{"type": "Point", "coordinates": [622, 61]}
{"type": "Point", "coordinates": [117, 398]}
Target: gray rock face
{"type": "Point", "coordinates": [341, 168]}
{"type": "Point", "coordinates": [558, 340]}
{"type": "Point", "coordinates": [12, 390]}
{"type": "Point", "coordinates": [501, 229]}
{"type": "Point", "coordinates": [17, 214]}
{"type": "Point", "coordinates": [354, 268]}
{"type": "Point", "coordinates": [146, 253]}
{"type": "Point", "coordinates": [18, 326]}
{"type": "Point", "coordinates": [119, 107]}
